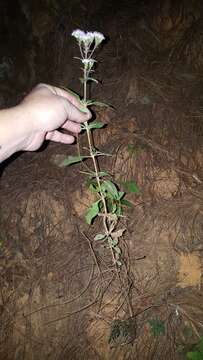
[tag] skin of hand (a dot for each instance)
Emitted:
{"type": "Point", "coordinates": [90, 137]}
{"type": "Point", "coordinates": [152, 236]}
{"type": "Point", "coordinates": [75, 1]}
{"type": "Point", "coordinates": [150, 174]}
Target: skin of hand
{"type": "Point", "coordinates": [50, 108]}
{"type": "Point", "coordinates": [38, 117]}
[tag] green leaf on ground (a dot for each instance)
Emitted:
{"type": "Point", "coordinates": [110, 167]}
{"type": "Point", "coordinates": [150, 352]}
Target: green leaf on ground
{"type": "Point", "coordinates": [130, 186]}
{"type": "Point", "coordinates": [194, 355]}
{"type": "Point", "coordinates": [131, 148]}
{"type": "Point", "coordinates": [157, 327]}
{"type": "Point", "coordinates": [198, 353]}
{"type": "Point", "coordinates": [92, 212]}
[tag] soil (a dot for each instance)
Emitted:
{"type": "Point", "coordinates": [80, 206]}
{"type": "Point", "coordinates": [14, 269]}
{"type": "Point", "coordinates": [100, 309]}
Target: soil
{"type": "Point", "coordinates": [60, 296]}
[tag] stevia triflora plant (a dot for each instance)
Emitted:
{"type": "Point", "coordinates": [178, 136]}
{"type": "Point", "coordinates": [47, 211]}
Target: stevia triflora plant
{"type": "Point", "coordinates": [109, 199]}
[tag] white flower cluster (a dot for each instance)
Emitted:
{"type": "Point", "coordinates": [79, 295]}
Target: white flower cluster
{"type": "Point", "coordinates": [88, 63]}
{"type": "Point", "coordinates": [87, 38]}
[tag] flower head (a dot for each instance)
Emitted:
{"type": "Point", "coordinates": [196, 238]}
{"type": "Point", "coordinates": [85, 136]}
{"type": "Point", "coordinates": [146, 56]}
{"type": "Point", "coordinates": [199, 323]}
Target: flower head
{"type": "Point", "coordinates": [87, 38]}
{"type": "Point", "coordinates": [83, 37]}
{"type": "Point", "coordinates": [88, 63]}
{"type": "Point", "coordinates": [78, 34]}
{"type": "Point", "coordinates": [98, 37]}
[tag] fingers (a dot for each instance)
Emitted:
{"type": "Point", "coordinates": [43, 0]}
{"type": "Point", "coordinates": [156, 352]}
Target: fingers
{"type": "Point", "coordinates": [57, 136]}
{"type": "Point", "coordinates": [72, 112]}
{"type": "Point", "coordinates": [72, 126]}
{"type": "Point", "coordinates": [67, 95]}
{"type": "Point", "coordinates": [71, 105]}
{"type": "Point", "coordinates": [70, 97]}
{"type": "Point", "coordinates": [61, 92]}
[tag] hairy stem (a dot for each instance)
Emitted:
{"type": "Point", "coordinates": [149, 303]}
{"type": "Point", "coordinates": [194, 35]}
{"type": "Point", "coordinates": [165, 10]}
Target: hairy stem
{"type": "Point", "coordinates": [106, 220]}
{"type": "Point", "coordinates": [96, 167]}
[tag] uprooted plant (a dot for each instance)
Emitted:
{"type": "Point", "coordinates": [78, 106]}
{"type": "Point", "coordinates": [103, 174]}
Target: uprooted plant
{"type": "Point", "coordinates": [109, 200]}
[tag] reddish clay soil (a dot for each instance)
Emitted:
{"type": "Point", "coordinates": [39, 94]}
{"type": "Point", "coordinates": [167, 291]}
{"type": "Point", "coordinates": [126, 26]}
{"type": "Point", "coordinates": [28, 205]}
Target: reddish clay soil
{"type": "Point", "coordinates": [60, 297]}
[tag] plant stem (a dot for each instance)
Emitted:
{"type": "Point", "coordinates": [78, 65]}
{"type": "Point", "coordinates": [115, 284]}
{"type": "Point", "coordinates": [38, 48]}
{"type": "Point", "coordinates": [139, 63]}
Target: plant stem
{"type": "Point", "coordinates": [106, 220]}
{"type": "Point", "coordinates": [94, 160]}
{"type": "Point", "coordinates": [96, 168]}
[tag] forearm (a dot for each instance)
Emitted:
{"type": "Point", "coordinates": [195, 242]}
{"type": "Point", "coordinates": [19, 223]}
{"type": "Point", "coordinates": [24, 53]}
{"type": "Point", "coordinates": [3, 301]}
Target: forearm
{"type": "Point", "coordinates": [14, 129]}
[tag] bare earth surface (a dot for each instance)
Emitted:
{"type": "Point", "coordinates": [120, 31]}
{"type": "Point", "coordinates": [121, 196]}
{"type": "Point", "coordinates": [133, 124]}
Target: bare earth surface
{"type": "Point", "coordinates": [59, 295]}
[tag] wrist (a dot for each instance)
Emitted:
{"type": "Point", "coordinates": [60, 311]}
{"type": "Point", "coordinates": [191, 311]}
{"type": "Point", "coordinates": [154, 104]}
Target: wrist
{"type": "Point", "coordinates": [14, 129]}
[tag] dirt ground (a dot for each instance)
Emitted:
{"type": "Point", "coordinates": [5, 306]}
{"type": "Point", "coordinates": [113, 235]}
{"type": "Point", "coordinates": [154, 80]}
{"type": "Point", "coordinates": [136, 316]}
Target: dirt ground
{"type": "Point", "coordinates": [60, 297]}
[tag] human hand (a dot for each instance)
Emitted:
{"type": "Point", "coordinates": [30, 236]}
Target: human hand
{"type": "Point", "coordinates": [48, 108]}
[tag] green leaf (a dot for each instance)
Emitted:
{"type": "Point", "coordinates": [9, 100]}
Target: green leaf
{"type": "Point", "coordinates": [114, 242]}
{"type": "Point", "coordinates": [99, 237]}
{"type": "Point", "coordinates": [187, 331]}
{"type": "Point", "coordinates": [95, 125]}
{"type": "Point", "coordinates": [114, 208]}
{"type": "Point", "coordinates": [130, 186]}
{"type": "Point", "coordinates": [92, 174]}
{"type": "Point", "coordinates": [194, 355]}
{"type": "Point", "coordinates": [131, 149]}
{"type": "Point", "coordinates": [198, 353]}
{"type": "Point", "coordinates": [82, 80]}
{"type": "Point", "coordinates": [117, 249]}
{"type": "Point", "coordinates": [103, 173]}
{"type": "Point", "coordinates": [76, 57]}
{"type": "Point", "coordinates": [87, 102]}
{"type": "Point", "coordinates": [119, 210]}
{"type": "Point", "coordinates": [92, 79]}
{"type": "Point", "coordinates": [111, 242]}
{"type": "Point", "coordinates": [99, 153]}
{"type": "Point", "coordinates": [72, 160]}
{"type": "Point", "coordinates": [120, 195]}
{"type": "Point", "coordinates": [126, 203]}
{"type": "Point", "coordinates": [110, 187]}
{"type": "Point", "coordinates": [200, 346]}
{"type": "Point", "coordinates": [118, 233]}
{"type": "Point", "coordinates": [157, 327]}
{"type": "Point", "coordinates": [111, 206]}
{"type": "Point", "coordinates": [98, 103]}
{"type": "Point", "coordinates": [93, 187]}
{"type": "Point", "coordinates": [92, 212]}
